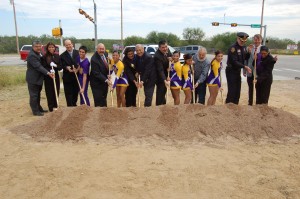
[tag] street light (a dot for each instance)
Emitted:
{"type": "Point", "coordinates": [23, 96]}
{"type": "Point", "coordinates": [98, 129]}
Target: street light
{"type": "Point", "coordinates": [122, 42]}
{"type": "Point", "coordinates": [82, 12]}
{"type": "Point", "coordinates": [262, 16]}
{"type": "Point", "coordinates": [12, 2]}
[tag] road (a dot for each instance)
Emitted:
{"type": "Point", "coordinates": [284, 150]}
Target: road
{"type": "Point", "coordinates": [286, 68]}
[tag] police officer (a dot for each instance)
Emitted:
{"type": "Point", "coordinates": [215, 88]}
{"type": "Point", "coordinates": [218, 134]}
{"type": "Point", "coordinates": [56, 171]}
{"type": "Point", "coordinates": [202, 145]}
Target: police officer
{"type": "Point", "coordinates": [237, 57]}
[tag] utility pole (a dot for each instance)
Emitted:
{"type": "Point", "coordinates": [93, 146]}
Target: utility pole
{"type": "Point", "coordinates": [12, 2]}
{"type": "Point", "coordinates": [262, 16]}
{"type": "Point", "coordinates": [95, 24]}
{"type": "Point", "coordinates": [122, 42]}
{"type": "Point", "coordinates": [61, 37]}
{"type": "Point", "coordinates": [82, 12]}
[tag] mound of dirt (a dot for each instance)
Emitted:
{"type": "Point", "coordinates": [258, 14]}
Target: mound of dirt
{"type": "Point", "coordinates": [176, 123]}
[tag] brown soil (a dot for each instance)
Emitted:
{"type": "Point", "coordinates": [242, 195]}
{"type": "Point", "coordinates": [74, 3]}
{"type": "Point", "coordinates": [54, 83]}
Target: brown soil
{"type": "Point", "coordinates": [186, 151]}
{"type": "Point", "coordinates": [174, 123]}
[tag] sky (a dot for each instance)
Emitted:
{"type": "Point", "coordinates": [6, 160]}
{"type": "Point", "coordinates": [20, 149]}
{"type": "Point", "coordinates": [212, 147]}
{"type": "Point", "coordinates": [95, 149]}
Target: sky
{"type": "Point", "coordinates": [38, 17]}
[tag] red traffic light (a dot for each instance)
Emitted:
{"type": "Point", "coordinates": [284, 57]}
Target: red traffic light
{"type": "Point", "coordinates": [233, 24]}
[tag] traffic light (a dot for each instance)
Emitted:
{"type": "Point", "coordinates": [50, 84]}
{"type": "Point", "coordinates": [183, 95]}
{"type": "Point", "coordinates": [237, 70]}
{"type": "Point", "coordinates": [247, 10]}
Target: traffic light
{"type": "Point", "coordinates": [82, 12]}
{"type": "Point", "coordinates": [233, 24]}
{"type": "Point", "coordinates": [57, 32]}
{"type": "Point", "coordinates": [215, 23]}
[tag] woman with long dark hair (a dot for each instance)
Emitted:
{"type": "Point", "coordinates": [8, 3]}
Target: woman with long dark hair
{"type": "Point", "coordinates": [129, 64]}
{"type": "Point", "coordinates": [187, 85]}
{"type": "Point", "coordinates": [176, 77]}
{"type": "Point", "coordinates": [213, 79]}
{"type": "Point", "coordinates": [265, 64]}
{"type": "Point", "coordinates": [120, 81]}
{"type": "Point", "coordinates": [51, 60]}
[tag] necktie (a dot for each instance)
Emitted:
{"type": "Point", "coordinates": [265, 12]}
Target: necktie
{"type": "Point", "coordinates": [104, 60]}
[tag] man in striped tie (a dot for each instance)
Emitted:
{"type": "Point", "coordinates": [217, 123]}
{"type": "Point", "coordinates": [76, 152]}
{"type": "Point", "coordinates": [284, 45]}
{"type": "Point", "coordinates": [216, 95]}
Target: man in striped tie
{"type": "Point", "coordinates": [99, 80]}
{"type": "Point", "coordinates": [252, 49]}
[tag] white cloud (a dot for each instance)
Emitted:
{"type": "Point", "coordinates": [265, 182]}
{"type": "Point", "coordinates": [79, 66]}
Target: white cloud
{"type": "Point", "coordinates": [157, 13]}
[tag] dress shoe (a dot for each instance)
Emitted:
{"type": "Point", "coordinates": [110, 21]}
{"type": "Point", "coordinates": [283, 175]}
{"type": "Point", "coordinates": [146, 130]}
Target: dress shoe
{"type": "Point", "coordinates": [43, 111]}
{"type": "Point", "coordinates": [38, 113]}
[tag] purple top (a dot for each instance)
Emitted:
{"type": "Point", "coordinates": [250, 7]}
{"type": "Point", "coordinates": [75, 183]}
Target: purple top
{"type": "Point", "coordinates": [85, 65]}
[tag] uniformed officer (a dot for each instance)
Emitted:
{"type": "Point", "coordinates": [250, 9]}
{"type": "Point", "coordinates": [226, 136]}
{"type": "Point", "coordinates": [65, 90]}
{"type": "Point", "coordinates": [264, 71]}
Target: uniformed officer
{"type": "Point", "coordinates": [237, 57]}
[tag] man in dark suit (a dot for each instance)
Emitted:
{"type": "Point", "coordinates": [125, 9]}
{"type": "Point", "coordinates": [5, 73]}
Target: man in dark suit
{"type": "Point", "coordinates": [161, 61]}
{"type": "Point", "coordinates": [69, 65]}
{"type": "Point", "coordinates": [35, 76]}
{"type": "Point", "coordinates": [145, 67]}
{"type": "Point", "coordinates": [99, 76]}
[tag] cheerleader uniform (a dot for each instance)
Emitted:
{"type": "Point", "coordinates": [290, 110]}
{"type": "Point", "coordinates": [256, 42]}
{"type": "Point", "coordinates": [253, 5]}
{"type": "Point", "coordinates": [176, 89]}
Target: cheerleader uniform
{"type": "Point", "coordinates": [187, 80]}
{"type": "Point", "coordinates": [175, 75]}
{"type": "Point", "coordinates": [121, 77]}
{"type": "Point", "coordinates": [213, 78]}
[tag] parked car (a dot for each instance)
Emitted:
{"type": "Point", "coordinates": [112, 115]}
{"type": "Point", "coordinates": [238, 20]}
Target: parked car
{"type": "Point", "coordinates": [26, 49]}
{"type": "Point", "coordinates": [152, 48]}
{"type": "Point", "coordinates": [191, 49]}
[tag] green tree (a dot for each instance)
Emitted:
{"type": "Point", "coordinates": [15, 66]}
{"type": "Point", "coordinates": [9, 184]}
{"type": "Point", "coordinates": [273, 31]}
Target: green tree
{"type": "Point", "coordinates": [223, 41]}
{"type": "Point", "coordinates": [132, 40]}
{"type": "Point", "coordinates": [276, 43]}
{"type": "Point", "coordinates": [173, 40]}
{"type": "Point", "coordinates": [152, 37]}
{"type": "Point", "coordinates": [193, 35]}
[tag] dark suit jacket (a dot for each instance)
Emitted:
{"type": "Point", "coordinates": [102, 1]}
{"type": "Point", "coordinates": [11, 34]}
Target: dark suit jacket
{"type": "Point", "coordinates": [35, 71]}
{"type": "Point", "coordinates": [145, 66]}
{"type": "Point", "coordinates": [129, 68]}
{"type": "Point", "coordinates": [99, 71]}
{"type": "Point", "coordinates": [264, 72]}
{"type": "Point", "coordinates": [67, 60]}
{"type": "Point", "coordinates": [162, 64]}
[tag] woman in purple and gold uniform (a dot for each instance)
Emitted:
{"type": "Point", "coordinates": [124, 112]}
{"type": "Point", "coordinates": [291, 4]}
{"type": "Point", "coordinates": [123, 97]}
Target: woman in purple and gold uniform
{"type": "Point", "coordinates": [213, 79]}
{"type": "Point", "coordinates": [120, 81]}
{"type": "Point", "coordinates": [176, 77]}
{"type": "Point", "coordinates": [187, 86]}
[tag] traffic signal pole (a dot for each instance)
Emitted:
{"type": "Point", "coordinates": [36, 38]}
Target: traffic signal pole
{"type": "Point", "coordinates": [82, 12]}
{"type": "Point", "coordinates": [251, 25]}
{"type": "Point", "coordinates": [61, 37]}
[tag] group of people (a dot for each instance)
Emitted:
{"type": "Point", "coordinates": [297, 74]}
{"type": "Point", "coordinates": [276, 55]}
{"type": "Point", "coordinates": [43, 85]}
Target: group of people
{"type": "Point", "coordinates": [138, 70]}
{"type": "Point", "coordinates": [257, 64]}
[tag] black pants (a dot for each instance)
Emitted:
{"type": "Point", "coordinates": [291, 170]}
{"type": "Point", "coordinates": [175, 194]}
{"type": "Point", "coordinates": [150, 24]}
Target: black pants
{"type": "Point", "coordinates": [71, 92]}
{"type": "Point", "coordinates": [263, 89]}
{"type": "Point", "coordinates": [130, 94]}
{"type": "Point", "coordinates": [200, 93]}
{"type": "Point", "coordinates": [100, 95]}
{"type": "Point", "coordinates": [250, 90]}
{"type": "Point", "coordinates": [161, 91]}
{"type": "Point", "coordinates": [50, 91]}
{"type": "Point", "coordinates": [149, 90]}
{"type": "Point", "coordinates": [234, 82]}
{"type": "Point", "coordinates": [35, 97]}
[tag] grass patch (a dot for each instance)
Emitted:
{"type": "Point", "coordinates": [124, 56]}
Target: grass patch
{"type": "Point", "coordinates": [12, 76]}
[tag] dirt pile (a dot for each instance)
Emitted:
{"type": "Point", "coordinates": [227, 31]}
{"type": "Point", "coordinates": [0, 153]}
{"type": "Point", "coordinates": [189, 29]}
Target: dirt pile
{"type": "Point", "coordinates": [193, 123]}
